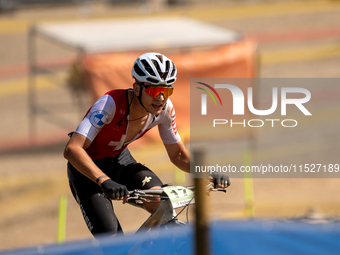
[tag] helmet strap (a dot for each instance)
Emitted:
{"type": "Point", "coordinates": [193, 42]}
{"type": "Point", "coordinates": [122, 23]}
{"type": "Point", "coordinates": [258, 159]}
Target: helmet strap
{"type": "Point", "coordinates": [140, 95]}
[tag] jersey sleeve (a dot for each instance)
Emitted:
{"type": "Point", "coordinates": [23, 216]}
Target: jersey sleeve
{"type": "Point", "coordinates": [101, 113]}
{"type": "Point", "coordinates": [167, 128]}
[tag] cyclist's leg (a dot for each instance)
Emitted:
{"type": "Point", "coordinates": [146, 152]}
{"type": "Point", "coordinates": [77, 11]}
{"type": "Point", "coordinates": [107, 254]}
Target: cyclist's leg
{"type": "Point", "coordinates": [138, 176]}
{"type": "Point", "coordinates": [133, 174]}
{"type": "Point", "coordinates": [97, 211]}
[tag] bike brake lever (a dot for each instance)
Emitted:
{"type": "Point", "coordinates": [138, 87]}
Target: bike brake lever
{"type": "Point", "coordinates": [136, 192]}
{"type": "Point", "coordinates": [220, 189]}
{"type": "Point", "coordinates": [140, 194]}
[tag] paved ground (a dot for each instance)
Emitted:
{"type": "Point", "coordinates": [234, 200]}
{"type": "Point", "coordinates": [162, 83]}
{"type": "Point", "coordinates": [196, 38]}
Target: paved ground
{"type": "Point", "coordinates": [296, 40]}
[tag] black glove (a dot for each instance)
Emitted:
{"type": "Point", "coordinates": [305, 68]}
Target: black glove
{"type": "Point", "coordinates": [114, 190]}
{"type": "Point", "coordinates": [221, 179]}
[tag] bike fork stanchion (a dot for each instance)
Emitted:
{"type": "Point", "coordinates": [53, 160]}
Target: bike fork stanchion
{"type": "Point", "coordinates": [202, 245]}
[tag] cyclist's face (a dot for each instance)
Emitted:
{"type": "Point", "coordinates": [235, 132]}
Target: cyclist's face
{"type": "Point", "coordinates": [153, 104]}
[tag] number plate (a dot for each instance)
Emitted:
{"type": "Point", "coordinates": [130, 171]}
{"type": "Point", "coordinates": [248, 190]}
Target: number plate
{"type": "Point", "coordinates": [179, 196]}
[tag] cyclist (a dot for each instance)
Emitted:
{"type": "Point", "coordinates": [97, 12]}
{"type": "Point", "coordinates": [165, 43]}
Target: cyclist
{"type": "Point", "coordinates": [100, 167]}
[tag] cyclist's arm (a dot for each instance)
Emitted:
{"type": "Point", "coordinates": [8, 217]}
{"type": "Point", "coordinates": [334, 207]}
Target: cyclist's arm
{"type": "Point", "coordinates": [179, 155]}
{"type": "Point", "coordinates": [75, 153]}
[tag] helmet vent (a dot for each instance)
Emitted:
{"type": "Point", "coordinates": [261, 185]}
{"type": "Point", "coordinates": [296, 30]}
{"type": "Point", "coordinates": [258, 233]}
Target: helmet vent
{"type": "Point", "coordinates": [170, 81]}
{"type": "Point", "coordinates": [167, 67]}
{"type": "Point", "coordinates": [157, 66]}
{"type": "Point", "coordinates": [147, 67]}
{"type": "Point", "coordinates": [160, 57]}
{"type": "Point", "coordinates": [173, 70]}
{"type": "Point", "coordinates": [138, 70]}
{"type": "Point", "coordinates": [151, 80]}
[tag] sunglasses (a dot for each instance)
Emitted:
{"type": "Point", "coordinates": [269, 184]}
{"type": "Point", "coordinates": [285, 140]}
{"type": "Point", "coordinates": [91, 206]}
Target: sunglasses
{"type": "Point", "coordinates": [154, 91]}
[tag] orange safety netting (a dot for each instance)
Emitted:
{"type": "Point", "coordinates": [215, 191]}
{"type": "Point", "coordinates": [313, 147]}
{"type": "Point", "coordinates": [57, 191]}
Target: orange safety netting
{"type": "Point", "coordinates": [108, 71]}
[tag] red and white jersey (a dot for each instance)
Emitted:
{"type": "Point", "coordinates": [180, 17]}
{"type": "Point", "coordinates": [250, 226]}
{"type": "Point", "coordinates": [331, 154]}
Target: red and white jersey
{"type": "Point", "coordinates": [106, 123]}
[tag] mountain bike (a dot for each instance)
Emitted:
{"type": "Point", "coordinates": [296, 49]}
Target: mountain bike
{"type": "Point", "coordinates": [165, 219]}
{"type": "Point", "coordinates": [171, 198]}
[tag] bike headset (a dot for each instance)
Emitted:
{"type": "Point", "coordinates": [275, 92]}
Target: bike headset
{"type": "Point", "coordinates": [156, 69]}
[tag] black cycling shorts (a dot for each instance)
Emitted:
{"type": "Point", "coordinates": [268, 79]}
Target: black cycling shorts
{"type": "Point", "coordinates": [98, 211]}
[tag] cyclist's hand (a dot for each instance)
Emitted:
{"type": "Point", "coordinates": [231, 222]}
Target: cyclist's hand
{"type": "Point", "coordinates": [220, 180]}
{"type": "Point", "coordinates": [114, 190]}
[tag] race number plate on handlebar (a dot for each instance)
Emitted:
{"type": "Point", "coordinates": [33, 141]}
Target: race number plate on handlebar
{"type": "Point", "coordinates": [179, 196]}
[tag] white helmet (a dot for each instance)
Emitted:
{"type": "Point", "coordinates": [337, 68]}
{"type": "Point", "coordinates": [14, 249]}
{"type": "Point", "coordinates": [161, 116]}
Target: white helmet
{"type": "Point", "coordinates": [154, 68]}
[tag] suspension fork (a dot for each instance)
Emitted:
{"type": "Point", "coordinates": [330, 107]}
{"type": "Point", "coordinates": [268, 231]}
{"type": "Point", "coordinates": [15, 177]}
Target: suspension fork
{"type": "Point", "coordinates": [163, 214]}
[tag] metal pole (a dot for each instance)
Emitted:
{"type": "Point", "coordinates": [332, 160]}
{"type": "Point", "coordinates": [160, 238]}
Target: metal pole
{"type": "Point", "coordinates": [202, 243]}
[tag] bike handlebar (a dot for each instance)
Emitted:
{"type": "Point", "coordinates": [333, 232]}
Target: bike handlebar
{"type": "Point", "coordinates": [139, 197]}
{"type": "Point", "coordinates": [151, 192]}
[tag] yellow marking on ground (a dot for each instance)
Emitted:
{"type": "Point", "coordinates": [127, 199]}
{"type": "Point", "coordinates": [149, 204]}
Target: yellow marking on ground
{"type": "Point", "coordinates": [13, 26]}
{"type": "Point", "coordinates": [300, 54]}
{"type": "Point", "coordinates": [215, 13]}
{"type": "Point", "coordinates": [20, 85]}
